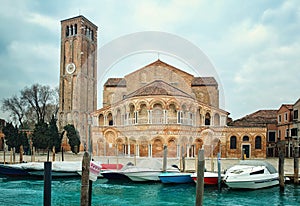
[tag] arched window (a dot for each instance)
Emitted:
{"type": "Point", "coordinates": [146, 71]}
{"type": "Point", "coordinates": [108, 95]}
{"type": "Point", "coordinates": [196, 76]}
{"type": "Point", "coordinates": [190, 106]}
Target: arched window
{"type": "Point", "coordinates": [245, 139]}
{"type": "Point", "coordinates": [110, 119]}
{"type": "Point", "coordinates": [71, 30]}
{"type": "Point", "coordinates": [217, 120]}
{"type": "Point", "coordinates": [207, 119]}
{"type": "Point", "coordinates": [75, 27]}
{"type": "Point", "coordinates": [233, 142]}
{"type": "Point", "coordinates": [101, 120]}
{"type": "Point", "coordinates": [67, 31]}
{"type": "Point", "coordinates": [258, 142]}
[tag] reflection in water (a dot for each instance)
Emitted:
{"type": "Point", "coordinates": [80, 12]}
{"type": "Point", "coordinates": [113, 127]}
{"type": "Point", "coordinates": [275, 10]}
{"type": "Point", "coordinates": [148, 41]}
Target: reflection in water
{"type": "Point", "coordinates": [67, 192]}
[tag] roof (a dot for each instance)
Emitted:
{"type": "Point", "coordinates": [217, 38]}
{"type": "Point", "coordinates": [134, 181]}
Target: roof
{"type": "Point", "coordinates": [115, 82]}
{"type": "Point", "coordinates": [204, 81]}
{"type": "Point", "coordinates": [82, 17]}
{"type": "Point", "coordinates": [259, 118]}
{"type": "Point", "coordinates": [158, 87]}
{"type": "Point", "coordinates": [163, 64]}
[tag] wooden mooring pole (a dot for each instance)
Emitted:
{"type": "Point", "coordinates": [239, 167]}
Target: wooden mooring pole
{"type": "Point", "coordinates": [281, 154]}
{"type": "Point", "coordinates": [182, 159]}
{"type": "Point", "coordinates": [21, 154]}
{"type": "Point", "coordinates": [4, 150]}
{"type": "Point", "coordinates": [296, 161]}
{"type": "Point", "coordinates": [219, 172]}
{"type": "Point", "coordinates": [62, 154]}
{"type": "Point", "coordinates": [200, 178]}
{"type": "Point", "coordinates": [47, 183]}
{"type": "Point", "coordinates": [165, 158]}
{"type": "Point", "coordinates": [84, 198]}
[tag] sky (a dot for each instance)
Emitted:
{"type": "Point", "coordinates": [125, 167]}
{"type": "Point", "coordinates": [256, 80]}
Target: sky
{"type": "Point", "coordinates": [254, 45]}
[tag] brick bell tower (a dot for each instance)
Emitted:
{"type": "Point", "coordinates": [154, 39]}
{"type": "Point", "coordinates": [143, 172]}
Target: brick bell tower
{"type": "Point", "coordinates": [78, 74]}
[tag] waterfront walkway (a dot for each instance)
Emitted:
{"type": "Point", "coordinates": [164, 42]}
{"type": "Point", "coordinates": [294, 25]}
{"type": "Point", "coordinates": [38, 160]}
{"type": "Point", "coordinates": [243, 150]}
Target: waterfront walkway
{"type": "Point", "coordinates": [190, 163]}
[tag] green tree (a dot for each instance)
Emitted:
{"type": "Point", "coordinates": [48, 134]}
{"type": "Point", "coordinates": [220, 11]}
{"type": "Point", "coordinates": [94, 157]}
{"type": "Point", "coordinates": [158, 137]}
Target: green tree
{"type": "Point", "coordinates": [54, 136]}
{"type": "Point", "coordinates": [24, 141]}
{"type": "Point", "coordinates": [73, 136]}
{"type": "Point", "coordinates": [14, 138]}
{"type": "Point", "coordinates": [40, 136]}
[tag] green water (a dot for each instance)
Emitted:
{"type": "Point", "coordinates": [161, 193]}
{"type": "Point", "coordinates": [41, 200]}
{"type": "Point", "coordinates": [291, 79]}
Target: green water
{"type": "Point", "coordinates": [67, 192]}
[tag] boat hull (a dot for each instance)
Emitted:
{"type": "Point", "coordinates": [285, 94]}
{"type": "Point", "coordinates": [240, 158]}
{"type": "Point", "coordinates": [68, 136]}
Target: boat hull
{"type": "Point", "coordinates": [254, 184]}
{"type": "Point", "coordinates": [210, 178]}
{"type": "Point", "coordinates": [110, 175]}
{"type": "Point", "coordinates": [12, 171]}
{"type": "Point", "coordinates": [143, 176]}
{"type": "Point", "coordinates": [176, 178]}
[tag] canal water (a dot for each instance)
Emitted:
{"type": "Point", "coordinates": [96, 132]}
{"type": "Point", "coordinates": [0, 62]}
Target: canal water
{"type": "Point", "coordinates": [67, 192]}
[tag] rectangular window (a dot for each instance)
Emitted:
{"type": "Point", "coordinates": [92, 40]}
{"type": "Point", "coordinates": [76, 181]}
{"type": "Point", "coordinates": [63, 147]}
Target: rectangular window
{"type": "Point", "coordinates": [295, 114]}
{"type": "Point", "coordinates": [279, 118]}
{"type": "Point", "coordinates": [294, 132]}
{"type": "Point", "coordinates": [279, 134]}
{"type": "Point", "coordinates": [285, 116]}
{"type": "Point", "coordinates": [287, 133]}
{"type": "Point", "coordinates": [271, 136]}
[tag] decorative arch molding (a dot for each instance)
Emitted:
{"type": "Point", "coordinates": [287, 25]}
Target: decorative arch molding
{"type": "Point", "coordinates": [157, 146]}
{"type": "Point", "coordinates": [154, 102]}
{"type": "Point", "coordinates": [172, 102]}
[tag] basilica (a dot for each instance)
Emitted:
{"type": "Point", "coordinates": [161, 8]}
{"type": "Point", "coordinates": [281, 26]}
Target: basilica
{"type": "Point", "coordinates": [157, 105]}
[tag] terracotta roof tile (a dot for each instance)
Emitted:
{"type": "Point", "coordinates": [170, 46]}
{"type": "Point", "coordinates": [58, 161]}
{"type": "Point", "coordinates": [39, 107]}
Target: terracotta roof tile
{"type": "Point", "coordinates": [259, 118]}
{"type": "Point", "coordinates": [114, 82]}
{"type": "Point", "coordinates": [204, 81]}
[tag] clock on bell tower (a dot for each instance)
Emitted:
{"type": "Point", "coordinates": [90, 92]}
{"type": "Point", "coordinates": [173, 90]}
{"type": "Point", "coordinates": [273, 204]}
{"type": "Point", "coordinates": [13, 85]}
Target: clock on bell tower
{"type": "Point", "coordinates": [78, 73]}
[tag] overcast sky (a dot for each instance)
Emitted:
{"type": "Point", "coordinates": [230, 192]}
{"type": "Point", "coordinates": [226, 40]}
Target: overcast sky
{"type": "Point", "coordinates": [253, 45]}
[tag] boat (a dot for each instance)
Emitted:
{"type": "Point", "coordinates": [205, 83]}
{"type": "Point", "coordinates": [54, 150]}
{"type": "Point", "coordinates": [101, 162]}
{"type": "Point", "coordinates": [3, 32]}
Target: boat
{"type": "Point", "coordinates": [148, 170]}
{"type": "Point", "coordinates": [210, 178]}
{"type": "Point", "coordinates": [251, 174]}
{"type": "Point", "coordinates": [116, 174]}
{"type": "Point", "coordinates": [12, 170]}
{"type": "Point", "coordinates": [141, 174]}
{"type": "Point", "coordinates": [36, 169]}
{"type": "Point", "coordinates": [168, 177]}
{"type": "Point", "coordinates": [59, 169]}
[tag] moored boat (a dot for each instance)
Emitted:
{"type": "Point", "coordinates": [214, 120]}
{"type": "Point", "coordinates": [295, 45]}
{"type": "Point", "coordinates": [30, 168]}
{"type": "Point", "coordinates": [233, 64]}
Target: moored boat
{"type": "Point", "coordinates": [210, 178]}
{"type": "Point", "coordinates": [140, 174]}
{"type": "Point", "coordinates": [251, 174]}
{"type": "Point", "coordinates": [59, 169]}
{"type": "Point", "coordinates": [13, 170]}
{"type": "Point", "coordinates": [178, 178]}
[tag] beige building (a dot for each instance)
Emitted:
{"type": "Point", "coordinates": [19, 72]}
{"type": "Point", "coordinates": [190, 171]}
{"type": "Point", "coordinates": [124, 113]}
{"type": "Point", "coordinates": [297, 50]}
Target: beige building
{"type": "Point", "coordinates": [158, 105]}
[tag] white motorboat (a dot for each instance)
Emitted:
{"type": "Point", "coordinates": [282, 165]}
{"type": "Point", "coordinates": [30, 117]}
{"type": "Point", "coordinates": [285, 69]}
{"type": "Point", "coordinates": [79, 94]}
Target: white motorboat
{"type": "Point", "coordinates": [145, 170]}
{"type": "Point", "coordinates": [251, 174]}
{"type": "Point", "coordinates": [141, 174]}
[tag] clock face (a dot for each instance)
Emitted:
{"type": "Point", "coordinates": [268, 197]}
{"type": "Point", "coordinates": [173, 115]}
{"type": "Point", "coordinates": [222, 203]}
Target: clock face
{"type": "Point", "coordinates": [70, 68]}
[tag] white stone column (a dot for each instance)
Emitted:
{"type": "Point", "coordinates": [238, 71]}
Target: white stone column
{"type": "Point", "coordinates": [137, 152]}
{"type": "Point", "coordinates": [165, 117]}
{"type": "Point", "coordinates": [105, 120]}
{"type": "Point", "coordinates": [128, 149]}
{"type": "Point", "coordinates": [178, 151]}
{"type": "Point", "coordinates": [148, 112]}
{"type": "Point", "coordinates": [150, 116]}
{"type": "Point", "coordinates": [136, 116]}
{"type": "Point", "coordinates": [187, 150]}
{"type": "Point", "coordinates": [149, 150]}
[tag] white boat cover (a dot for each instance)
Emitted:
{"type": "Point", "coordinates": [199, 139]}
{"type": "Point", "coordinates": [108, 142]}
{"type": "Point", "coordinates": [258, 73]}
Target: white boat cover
{"type": "Point", "coordinates": [270, 167]}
